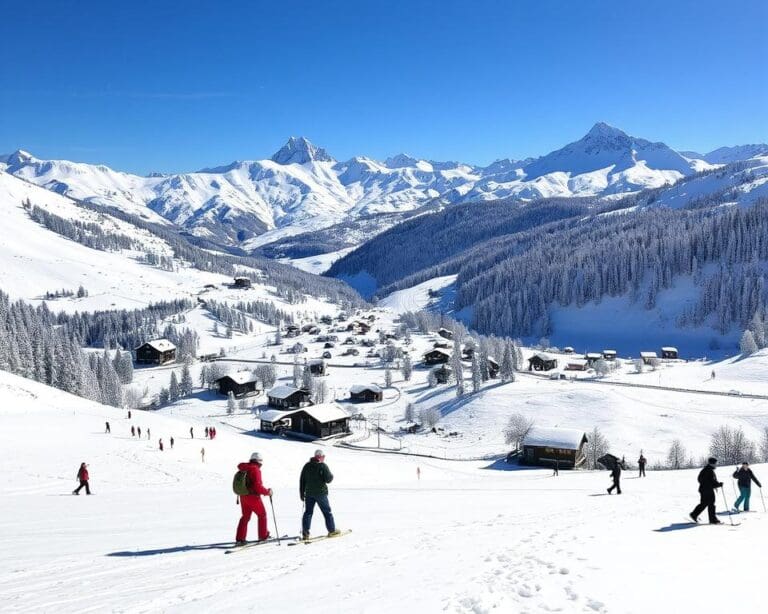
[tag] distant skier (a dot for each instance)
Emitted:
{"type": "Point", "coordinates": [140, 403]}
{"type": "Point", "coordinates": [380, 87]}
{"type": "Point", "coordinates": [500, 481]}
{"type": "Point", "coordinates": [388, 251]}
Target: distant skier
{"type": "Point", "coordinates": [313, 489]}
{"type": "Point", "coordinates": [82, 476]}
{"type": "Point", "coordinates": [206, 432]}
{"type": "Point", "coordinates": [160, 443]}
{"type": "Point", "coordinates": [212, 432]}
{"type": "Point", "coordinates": [149, 434]}
{"type": "Point", "coordinates": [556, 467]}
{"type": "Point", "coordinates": [252, 503]}
{"type": "Point", "coordinates": [616, 475]}
{"type": "Point", "coordinates": [191, 433]}
{"type": "Point", "coordinates": [418, 473]}
{"type": "Point", "coordinates": [745, 478]}
{"type": "Point", "coordinates": [202, 454]}
{"type": "Point", "coordinates": [138, 431]}
{"type": "Point", "coordinates": [107, 429]}
{"type": "Point", "coordinates": [713, 374]}
{"type": "Point", "coordinates": [129, 414]}
{"type": "Point", "coordinates": [707, 485]}
{"type": "Point", "coordinates": [133, 431]}
{"type": "Point", "coordinates": [171, 443]}
{"type": "Point", "coordinates": [641, 464]}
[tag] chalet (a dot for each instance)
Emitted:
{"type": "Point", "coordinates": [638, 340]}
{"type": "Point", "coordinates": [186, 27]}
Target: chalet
{"type": "Point", "coordinates": [567, 350]}
{"type": "Point", "coordinates": [292, 330]}
{"type": "Point", "coordinates": [669, 353]}
{"type": "Point", "coordinates": [312, 422]}
{"type": "Point", "coordinates": [329, 345]}
{"type": "Point", "coordinates": [445, 333]}
{"type": "Point", "coordinates": [242, 383]}
{"type": "Point", "coordinates": [493, 367]}
{"type": "Point", "coordinates": [307, 328]}
{"type": "Point", "coordinates": [317, 366]}
{"type": "Point", "coordinates": [157, 352]}
{"type": "Point", "coordinates": [366, 393]}
{"type": "Point", "coordinates": [576, 364]}
{"type": "Point", "coordinates": [327, 320]}
{"type": "Point", "coordinates": [468, 353]}
{"type": "Point", "coordinates": [242, 282]}
{"type": "Point", "coordinates": [547, 446]}
{"type": "Point", "coordinates": [542, 362]}
{"type": "Point", "coordinates": [648, 357]}
{"type": "Point", "coordinates": [287, 397]}
{"type": "Point", "coordinates": [351, 352]}
{"type": "Point", "coordinates": [327, 354]}
{"type": "Point", "coordinates": [358, 327]}
{"type": "Point", "coordinates": [443, 374]}
{"type": "Point", "coordinates": [441, 344]}
{"type": "Point", "coordinates": [436, 356]}
{"type": "Point", "coordinates": [609, 354]}
{"type": "Point", "coordinates": [592, 358]}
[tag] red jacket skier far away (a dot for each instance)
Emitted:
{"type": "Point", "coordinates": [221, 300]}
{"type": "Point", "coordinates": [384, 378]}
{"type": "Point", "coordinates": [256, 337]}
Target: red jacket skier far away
{"type": "Point", "coordinates": [252, 504]}
{"type": "Point", "coordinates": [82, 473]}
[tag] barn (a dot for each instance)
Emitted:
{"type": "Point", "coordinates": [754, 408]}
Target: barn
{"type": "Point", "coordinates": [546, 446]}
{"type": "Point", "coordinates": [311, 422]}
{"type": "Point", "coordinates": [157, 352]}
{"type": "Point", "coordinates": [542, 362]}
{"type": "Point", "coordinates": [242, 282]}
{"type": "Point", "coordinates": [669, 353]}
{"type": "Point", "coordinates": [609, 354]}
{"type": "Point", "coordinates": [437, 356]}
{"type": "Point", "coordinates": [287, 397]}
{"type": "Point", "coordinates": [366, 393]}
{"type": "Point", "coordinates": [240, 384]}
{"type": "Point", "coordinates": [592, 358]}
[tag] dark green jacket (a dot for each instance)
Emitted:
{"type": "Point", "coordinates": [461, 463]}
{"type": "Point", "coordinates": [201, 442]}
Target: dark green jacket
{"type": "Point", "coordinates": [315, 476]}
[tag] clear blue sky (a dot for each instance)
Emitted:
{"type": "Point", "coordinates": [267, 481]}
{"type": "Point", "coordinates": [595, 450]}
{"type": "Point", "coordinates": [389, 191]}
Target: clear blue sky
{"type": "Point", "coordinates": [174, 86]}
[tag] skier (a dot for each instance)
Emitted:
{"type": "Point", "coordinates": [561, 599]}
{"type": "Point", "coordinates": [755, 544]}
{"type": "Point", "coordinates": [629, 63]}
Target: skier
{"type": "Point", "coordinates": [133, 431]}
{"type": "Point", "coordinates": [206, 432]}
{"type": "Point", "coordinates": [191, 433]}
{"type": "Point", "coordinates": [107, 429]}
{"type": "Point", "coordinates": [138, 431]}
{"type": "Point", "coordinates": [252, 503]}
{"type": "Point", "coordinates": [82, 476]}
{"type": "Point", "coordinates": [313, 489]}
{"type": "Point", "coordinates": [129, 414]}
{"type": "Point", "coordinates": [641, 464]}
{"type": "Point", "coordinates": [556, 467]}
{"type": "Point", "coordinates": [616, 475]}
{"type": "Point", "coordinates": [713, 374]}
{"type": "Point", "coordinates": [418, 473]}
{"type": "Point", "coordinates": [212, 432]}
{"type": "Point", "coordinates": [161, 445]}
{"type": "Point", "coordinates": [707, 485]}
{"type": "Point", "coordinates": [149, 434]}
{"type": "Point", "coordinates": [745, 478]}
{"type": "Point", "coordinates": [202, 454]}
{"type": "Point", "coordinates": [171, 443]}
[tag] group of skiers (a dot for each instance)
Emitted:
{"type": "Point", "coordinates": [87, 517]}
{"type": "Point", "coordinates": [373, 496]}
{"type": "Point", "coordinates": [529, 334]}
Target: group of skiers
{"type": "Point", "coordinates": [210, 432]}
{"type": "Point", "coordinates": [313, 490]}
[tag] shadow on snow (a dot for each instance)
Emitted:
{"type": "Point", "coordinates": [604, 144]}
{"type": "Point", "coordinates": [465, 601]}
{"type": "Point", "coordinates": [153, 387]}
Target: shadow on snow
{"type": "Point", "coordinates": [187, 548]}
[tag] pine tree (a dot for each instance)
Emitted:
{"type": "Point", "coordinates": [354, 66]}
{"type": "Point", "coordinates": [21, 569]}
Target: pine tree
{"type": "Point", "coordinates": [458, 367]}
{"type": "Point", "coordinates": [163, 396]}
{"type": "Point", "coordinates": [186, 385]}
{"type": "Point", "coordinates": [410, 412]}
{"type": "Point", "coordinates": [297, 373]}
{"type": "Point", "coordinates": [173, 389]}
{"type": "Point", "coordinates": [388, 377]}
{"type": "Point", "coordinates": [231, 404]}
{"type": "Point", "coordinates": [477, 378]}
{"type": "Point", "coordinates": [506, 370]}
{"type": "Point", "coordinates": [306, 378]}
{"type": "Point", "coordinates": [407, 368]}
{"type": "Point", "coordinates": [747, 345]}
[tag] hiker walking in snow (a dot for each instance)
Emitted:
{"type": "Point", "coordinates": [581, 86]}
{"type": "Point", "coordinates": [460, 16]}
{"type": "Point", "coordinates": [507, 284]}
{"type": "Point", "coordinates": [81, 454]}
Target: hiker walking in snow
{"type": "Point", "coordinates": [133, 431]}
{"type": "Point", "coordinates": [313, 489]}
{"type": "Point", "coordinates": [251, 503]}
{"type": "Point", "coordinates": [616, 475]}
{"type": "Point", "coordinates": [745, 477]}
{"type": "Point", "coordinates": [107, 429]}
{"type": "Point", "coordinates": [161, 445]}
{"type": "Point", "coordinates": [641, 464]}
{"type": "Point", "coordinates": [202, 454]}
{"type": "Point", "coordinates": [206, 432]}
{"type": "Point", "coordinates": [129, 414]}
{"type": "Point", "coordinates": [707, 485]}
{"type": "Point", "coordinates": [713, 374]}
{"type": "Point", "coordinates": [82, 476]}
{"type": "Point", "coordinates": [191, 433]}
{"type": "Point", "coordinates": [138, 431]}
{"type": "Point", "coordinates": [171, 443]}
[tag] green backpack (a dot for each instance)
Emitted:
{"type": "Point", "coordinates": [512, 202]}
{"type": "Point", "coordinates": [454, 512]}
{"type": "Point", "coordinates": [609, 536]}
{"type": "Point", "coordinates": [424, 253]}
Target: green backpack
{"type": "Point", "coordinates": [241, 483]}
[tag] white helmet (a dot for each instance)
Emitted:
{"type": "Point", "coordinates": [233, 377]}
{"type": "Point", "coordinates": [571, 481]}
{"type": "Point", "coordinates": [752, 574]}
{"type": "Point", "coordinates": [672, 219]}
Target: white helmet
{"type": "Point", "coordinates": [256, 457]}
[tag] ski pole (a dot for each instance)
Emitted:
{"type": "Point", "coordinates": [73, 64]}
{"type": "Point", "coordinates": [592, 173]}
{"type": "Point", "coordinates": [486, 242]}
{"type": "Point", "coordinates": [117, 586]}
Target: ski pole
{"type": "Point", "coordinates": [762, 498]}
{"type": "Point", "coordinates": [730, 514]}
{"type": "Point", "coordinates": [274, 518]}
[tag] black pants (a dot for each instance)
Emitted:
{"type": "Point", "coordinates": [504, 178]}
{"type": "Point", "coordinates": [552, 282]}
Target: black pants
{"type": "Point", "coordinates": [616, 485]}
{"type": "Point", "coordinates": [642, 471]}
{"type": "Point", "coordinates": [82, 483]}
{"type": "Point", "coordinates": [708, 501]}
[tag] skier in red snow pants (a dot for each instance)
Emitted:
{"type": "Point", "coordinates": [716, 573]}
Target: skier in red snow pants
{"type": "Point", "coordinates": [252, 504]}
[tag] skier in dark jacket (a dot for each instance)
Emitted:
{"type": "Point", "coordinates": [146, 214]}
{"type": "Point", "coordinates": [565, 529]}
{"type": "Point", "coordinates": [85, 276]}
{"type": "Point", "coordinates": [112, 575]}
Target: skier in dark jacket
{"type": "Point", "coordinates": [641, 464]}
{"type": "Point", "coordinates": [707, 485]}
{"type": "Point", "coordinates": [616, 475]}
{"type": "Point", "coordinates": [313, 489]}
{"type": "Point", "coordinates": [107, 429]}
{"type": "Point", "coordinates": [82, 476]}
{"type": "Point", "coordinates": [745, 478]}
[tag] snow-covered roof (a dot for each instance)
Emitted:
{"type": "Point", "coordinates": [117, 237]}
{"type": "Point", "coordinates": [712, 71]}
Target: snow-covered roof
{"type": "Point", "coordinates": [439, 351]}
{"type": "Point", "coordinates": [648, 355]}
{"type": "Point", "coordinates": [568, 348]}
{"type": "Point", "coordinates": [576, 361]}
{"type": "Point", "coordinates": [542, 356]}
{"type": "Point", "coordinates": [669, 348]}
{"type": "Point", "coordinates": [594, 355]}
{"type": "Point", "coordinates": [282, 392]}
{"type": "Point", "coordinates": [316, 361]}
{"type": "Point", "coordinates": [554, 437]}
{"type": "Point", "coordinates": [358, 388]}
{"type": "Point", "coordinates": [273, 415]}
{"type": "Point", "coordinates": [326, 412]}
{"type": "Point", "coordinates": [241, 377]}
{"type": "Point", "coordinates": [609, 351]}
{"type": "Point", "coordinates": [161, 345]}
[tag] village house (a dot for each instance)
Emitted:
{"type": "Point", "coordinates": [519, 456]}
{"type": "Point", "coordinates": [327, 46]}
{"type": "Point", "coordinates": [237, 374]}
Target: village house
{"type": "Point", "coordinates": [317, 366]}
{"type": "Point", "coordinates": [542, 362]}
{"type": "Point", "coordinates": [669, 353]}
{"type": "Point", "coordinates": [547, 446]}
{"type": "Point", "coordinates": [366, 393]}
{"type": "Point", "coordinates": [436, 356]}
{"type": "Point", "coordinates": [567, 350]}
{"type": "Point", "coordinates": [287, 397]}
{"type": "Point", "coordinates": [445, 333]}
{"type": "Point", "coordinates": [648, 358]}
{"type": "Point", "coordinates": [240, 384]}
{"type": "Point", "coordinates": [592, 358]}
{"type": "Point", "coordinates": [311, 422]}
{"type": "Point", "coordinates": [157, 351]}
{"type": "Point", "coordinates": [493, 367]}
{"type": "Point", "coordinates": [242, 283]}
{"type": "Point", "coordinates": [443, 374]}
{"type": "Point", "coordinates": [576, 364]}
{"type": "Point", "coordinates": [609, 354]}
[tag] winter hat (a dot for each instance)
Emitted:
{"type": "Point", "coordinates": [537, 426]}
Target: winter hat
{"type": "Point", "coordinates": [319, 453]}
{"type": "Point", "coordinates": [712, 460]}
{"type": "Point", "coordinates": [256, 457]}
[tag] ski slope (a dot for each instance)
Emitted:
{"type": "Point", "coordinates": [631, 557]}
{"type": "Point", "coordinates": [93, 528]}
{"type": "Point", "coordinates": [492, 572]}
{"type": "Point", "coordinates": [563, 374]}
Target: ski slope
{"type": "Point", "coordinates": [467, 537]}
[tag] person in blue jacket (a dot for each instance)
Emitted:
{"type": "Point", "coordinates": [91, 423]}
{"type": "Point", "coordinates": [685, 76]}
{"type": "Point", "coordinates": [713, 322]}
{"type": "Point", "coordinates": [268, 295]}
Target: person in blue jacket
{"type": "Point", "coordinates": [745, 477]}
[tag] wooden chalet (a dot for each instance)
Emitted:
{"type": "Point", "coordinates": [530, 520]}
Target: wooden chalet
{"type": "Point", "coordinates": [287, 397]}
{"type": "Point", "coordinates": [443, 374]}
{"type": "Point", "coordinates": [441, 344]}
{"type": "Point", "coordinates": [366, 393]}
{"type": "Point", "coordinates": [609, 354]}
{"type": "Point", "coordinates": [576, 364]}
{"type": "Point", "coordinates": [311, 422]}
{"type": "Point", "coordinates": [493, 367]}
{"type": "Point", "coordinates": [437, 356]}
{"type": "Point", "coordinates": [445, 333]}
{"type": "Point", "coordinates": [317, 366]}
{"type": "Point", "coordinates": [242, 282]}
{"type": "Point", "coordinates": [547, 446]}
{"type": "Point", "coordinates": [240, 384]}
{"type": "Point", "coordinates": [468, 353]}
{"type": "Point", "coordinates": [542, 362]}
{"type": "Point", "coordinates": [292, 330]}
{"type": "Point", "coordinates": [351, 352]}
{"type": "Point", "coordinates": [592, 358]}
{"type": "Point", "coordinates": [359, 327]}
{"type": "Point", "coordinates": [567, 350]}
{"type": "Point", "coordinates": [157, 352]}
{"type": "Point", "coordinates": [648, 357]}
{"type": "Point", "coordinates": [669, 353]}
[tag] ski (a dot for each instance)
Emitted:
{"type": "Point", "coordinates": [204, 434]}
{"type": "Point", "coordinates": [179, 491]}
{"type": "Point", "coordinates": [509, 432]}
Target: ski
{"type": "Point", "coordinates": [271, 540]}
{"type": "Point", "coordinates": [312, 540]}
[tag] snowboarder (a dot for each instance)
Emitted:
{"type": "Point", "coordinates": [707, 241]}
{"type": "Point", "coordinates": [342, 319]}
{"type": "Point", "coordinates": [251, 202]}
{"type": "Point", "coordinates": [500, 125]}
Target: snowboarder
{"type": "Point", "coordinates": [82, 476]}
{"type": "Point", "coordinates": [616, 475]}
{"type": "Point", "coordinates": [171, 443]}
{"type": "Point", "coordinates": [107, 429]}
{"type": "Point", "coordinates": [641, 464]}
{"type": "Point", "coordinates": [313, 489]}
{"type": "Point", "coordinates": [202, 454]}
{"type": "Point", "coordinates": [707, 485]}
{"type": "Point", "coordinates": [252, 503]}
{"type": "Point", "coordinates": [745, 478]}
{"type": "Point", "coordinates": [556, 467]}
{"type": "Point", "coordinates": [133, 431]}
{"type": "Point", "coordinates": [160, 443]}
{"type": "Point", "coordinates": [206, 432]}
{"type": "Point", "coordinates": [191, 433]}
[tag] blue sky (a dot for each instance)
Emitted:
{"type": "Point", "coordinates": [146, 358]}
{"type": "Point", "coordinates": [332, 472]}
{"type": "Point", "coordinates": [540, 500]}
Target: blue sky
{"type": "Point", "coordinates": [174, 86]}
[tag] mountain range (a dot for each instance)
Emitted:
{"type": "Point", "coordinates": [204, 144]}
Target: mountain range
{"type": "Point", "coordinates": [302, 188]}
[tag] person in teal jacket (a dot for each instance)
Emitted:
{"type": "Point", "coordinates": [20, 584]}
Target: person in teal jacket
{"type": "Point", "coordinates": [745, 478]}
{"type": "Point", "coordinates": [313, 489]}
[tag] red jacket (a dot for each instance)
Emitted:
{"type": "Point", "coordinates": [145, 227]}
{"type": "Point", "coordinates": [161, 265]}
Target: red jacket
{"type": "Point", "coordinates": [254, 478]}
{"type": "Point", "coordinates": [82, 474]}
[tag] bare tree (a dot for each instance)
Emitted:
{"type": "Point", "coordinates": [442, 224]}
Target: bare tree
{"type": "Point", "coordinates": [731, 446]}
{"type": "Point", "coordinates": [597, 445]}
{"type": "Point", "coordinates": [517, 429]}
{"type": "Point", "coordinates": [764, 446]}
{"type": "Point", "coordinates": [676, 456]}
{"type": "Point", "coordinates": [430, 416]}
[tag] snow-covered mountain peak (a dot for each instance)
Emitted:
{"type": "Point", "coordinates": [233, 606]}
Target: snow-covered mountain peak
{"type": "Point", "coordinates": [300, 151]}
{"type": "Point", "coordinates": [18, 158]}
{"type": "Point", "coordinates": [401, 160]}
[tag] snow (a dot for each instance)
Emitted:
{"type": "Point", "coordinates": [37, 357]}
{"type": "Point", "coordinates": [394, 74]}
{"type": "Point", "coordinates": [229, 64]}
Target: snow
{"type": "Point", "coordinates": [326, 412]}
{"type": "Point", "coordinates": [358, 388]}
{"type": "Point", "coordinates": [569, 439]}
{"type": "Point", "coordinates": [161, 345]}
{"type": "Point", "coordinates": [417, 297]}
{"type": "Point", "coordinates": [320, 263]}
{"type": "Point", "coordinates": [241, 377]}
{"type": "Point", "coordinates": [282, 392]}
